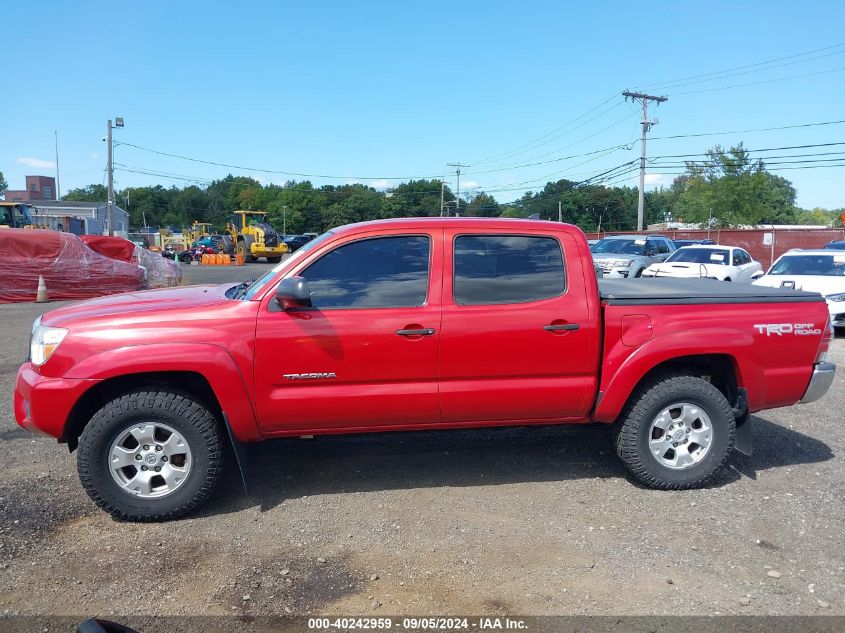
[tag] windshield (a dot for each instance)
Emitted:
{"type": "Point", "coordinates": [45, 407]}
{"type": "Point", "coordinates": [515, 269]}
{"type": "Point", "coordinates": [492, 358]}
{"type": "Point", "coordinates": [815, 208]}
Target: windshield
{"type": "Point", "coordinates": [823, 265]}
{"type": "Point", "coordinates": [701, 256]}
{"type": "Point", "coordinates": [617, 245]}
{"type": "Point", "coordinates": [259, 284]}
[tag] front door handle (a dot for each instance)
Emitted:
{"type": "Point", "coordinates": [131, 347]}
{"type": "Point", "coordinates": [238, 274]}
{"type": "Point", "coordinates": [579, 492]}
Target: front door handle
{"type": "Point", "coordinates": [426, 331]}
{"type": "Point", "coordinates": [562, 327]}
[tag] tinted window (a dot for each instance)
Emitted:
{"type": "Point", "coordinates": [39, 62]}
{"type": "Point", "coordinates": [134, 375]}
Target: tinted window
{"type": "Point", "coordinates": [662, 247]}
{"type": "Point", "coordinates": [384, 272]}
{"type": "Point", "coordinates": [826, 265]}
{"type": "Point", "coordinates": [633, 246]}
{"type": "Point", "coordinates": [700, 256]}
{"type": "Point", "coordinates": [507, 269]}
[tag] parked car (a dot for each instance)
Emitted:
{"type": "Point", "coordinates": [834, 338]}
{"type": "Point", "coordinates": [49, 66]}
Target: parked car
{"type": "Point", "coordinates": [295, 242]}
{"type": "Point", "coordinates": [819, 271]}
{"type": "Point", "coordinates": [837, 246]}
{"type": "Point", "coordinates": [725, 263]}
{"type": "Point", "coordinates": [413, 324]}
{"type": "Point", "coordinates": [682, 243]}
{"type": "Point", "coordinates": [627, 256]}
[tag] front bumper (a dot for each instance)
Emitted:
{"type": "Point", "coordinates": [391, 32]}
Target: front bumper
{"type": "Point", "coordinates": [837, 313]}
{"type": "Point", "coordinates": [820, 382]}
{"type": "Point", "coordinates": [42, 404]}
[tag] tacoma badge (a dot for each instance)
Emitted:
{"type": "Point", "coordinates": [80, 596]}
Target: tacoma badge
{"type": "Point", "coordinates": [312, 376]}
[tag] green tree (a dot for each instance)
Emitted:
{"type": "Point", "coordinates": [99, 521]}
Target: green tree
{"type": "Point", "coordinates": [91, 193]}
{"type": "Point", "coordinates": [3, 185]}
{"type": "Point", "coordinates": [733, 189]}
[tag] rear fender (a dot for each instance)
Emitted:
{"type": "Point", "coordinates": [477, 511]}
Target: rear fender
{"type": "Point", "coordinates": [213, 362]}
{"type": "Point", "coordinates": [633, 366]}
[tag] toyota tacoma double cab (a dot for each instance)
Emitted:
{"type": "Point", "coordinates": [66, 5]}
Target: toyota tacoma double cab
{"type": "Point", "coordinates": [411, 324]}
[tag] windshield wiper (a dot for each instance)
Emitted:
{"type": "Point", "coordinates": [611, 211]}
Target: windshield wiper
{"type": "Point", "coordinates": [240, 290]}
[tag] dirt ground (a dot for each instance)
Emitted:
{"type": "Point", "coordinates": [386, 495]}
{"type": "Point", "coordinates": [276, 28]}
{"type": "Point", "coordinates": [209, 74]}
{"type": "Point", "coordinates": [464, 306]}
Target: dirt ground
{"type": "Point", "coordinates": [526, 521]}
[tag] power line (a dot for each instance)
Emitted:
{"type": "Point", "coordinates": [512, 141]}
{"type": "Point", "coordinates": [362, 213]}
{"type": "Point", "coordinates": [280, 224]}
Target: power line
{"type": "Point", "coordinates": [274, 171]}
{"type": "Point", "coordinates": [757, 83]}
{"type": "Point", "coordinates": [565, 125]}
{"type": "Point", "coordinates": [761, 129]}
{"type": "Point", "coordinates": [551, 137]}
{"type": "Point", "coordinates": [755, 65]}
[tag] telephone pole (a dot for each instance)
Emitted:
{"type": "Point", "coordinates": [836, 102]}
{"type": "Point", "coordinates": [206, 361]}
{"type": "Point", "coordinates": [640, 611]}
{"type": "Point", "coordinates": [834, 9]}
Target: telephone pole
{"type": "Point", "coordinates": [457, 167]}
{"type": "Point", "coordinates": [647, 125]}
{"type": "Point", "coordinates": [442, 194]}
{"type": "Point", "coordinates": [118, 122]}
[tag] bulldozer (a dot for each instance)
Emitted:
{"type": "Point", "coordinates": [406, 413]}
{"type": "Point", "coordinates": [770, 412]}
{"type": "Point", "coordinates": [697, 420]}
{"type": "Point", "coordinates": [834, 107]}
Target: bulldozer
{"type": "Point", "coordinates": [253, 237]}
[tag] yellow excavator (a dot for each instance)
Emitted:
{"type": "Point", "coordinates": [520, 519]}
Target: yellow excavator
{"type": "Point", "coordinates": [253, 237]}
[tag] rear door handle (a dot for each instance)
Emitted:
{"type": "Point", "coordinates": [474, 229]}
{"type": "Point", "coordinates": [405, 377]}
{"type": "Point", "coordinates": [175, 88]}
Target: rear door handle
{"type": "Point", "coordinates": [426, 331]}
{"type": "Point", "coordinates": [564, 327]}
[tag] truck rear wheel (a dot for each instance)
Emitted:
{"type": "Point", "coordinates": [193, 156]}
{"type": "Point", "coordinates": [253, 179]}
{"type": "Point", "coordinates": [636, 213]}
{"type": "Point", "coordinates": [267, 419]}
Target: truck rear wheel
{"type": "Point", "coordinates": [150, 455]}
{"type": "Point", "coordinates": [676, 433]}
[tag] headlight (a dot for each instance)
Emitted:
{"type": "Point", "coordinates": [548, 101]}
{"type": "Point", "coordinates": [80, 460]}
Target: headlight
{"type": "Point", "coordinates": [44, 342]}
{"type": "Point", "coordinates": [623, 263]}
{"type": "Point", "coordinates": [836, 297]}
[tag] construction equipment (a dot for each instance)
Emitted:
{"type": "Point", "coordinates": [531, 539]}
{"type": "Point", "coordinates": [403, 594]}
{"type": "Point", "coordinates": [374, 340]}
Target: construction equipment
{"type": "Point", "coordinates": [253, 237]}
{"type": "Point", "coordinates": [16, 215]}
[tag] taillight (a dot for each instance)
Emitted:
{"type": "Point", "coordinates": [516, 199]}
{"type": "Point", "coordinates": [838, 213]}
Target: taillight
{"type": "Point", "coordinates": [824, 346]}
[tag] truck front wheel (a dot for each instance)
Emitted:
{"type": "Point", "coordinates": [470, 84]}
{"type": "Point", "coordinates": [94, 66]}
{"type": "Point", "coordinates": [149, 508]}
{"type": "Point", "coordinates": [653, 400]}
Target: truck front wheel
{"type": "Point", "coordinates": [150, 455]}
{"type": "Point", "coordinates": [676, 433]}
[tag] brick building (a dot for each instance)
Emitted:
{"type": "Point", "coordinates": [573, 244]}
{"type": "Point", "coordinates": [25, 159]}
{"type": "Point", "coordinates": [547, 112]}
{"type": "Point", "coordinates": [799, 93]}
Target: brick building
{"type": "Point", "coordinates": [37, 188]}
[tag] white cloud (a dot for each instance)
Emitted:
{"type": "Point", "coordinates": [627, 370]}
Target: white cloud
{"type": "Point", "coordinates": [93, 156]}
{"type": "Point", "coordinates": [37, 163]}
{"type": "Point", "coordinates": [381, 184]}
{"type": "Point", "coordinates": [469, 184]}
{"type": "Point", "coordinates": [656, 179]}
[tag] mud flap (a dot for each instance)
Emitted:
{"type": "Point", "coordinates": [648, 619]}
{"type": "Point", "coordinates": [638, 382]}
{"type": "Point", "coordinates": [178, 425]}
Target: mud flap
{"type": "Point", "coordinates": [240, 456]}
{"type": "Point", "coordinates": [744, 439]}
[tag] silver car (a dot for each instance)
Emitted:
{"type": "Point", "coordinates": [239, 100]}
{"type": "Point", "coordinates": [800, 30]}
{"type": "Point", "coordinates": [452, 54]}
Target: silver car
{"type": "Point", "coordinates": [627, 256]}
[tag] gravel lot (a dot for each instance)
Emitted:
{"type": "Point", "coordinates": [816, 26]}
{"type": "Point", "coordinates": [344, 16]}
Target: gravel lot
{"type": "Point", "coordinates": [507, 521]}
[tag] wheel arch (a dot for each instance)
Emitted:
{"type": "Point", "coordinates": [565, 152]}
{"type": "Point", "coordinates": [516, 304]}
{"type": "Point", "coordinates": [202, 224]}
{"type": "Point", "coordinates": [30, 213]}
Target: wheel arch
{"type": "Point", "coordinates": [733, 367]}
{"type": "Point", "coordinates": [190, 382]}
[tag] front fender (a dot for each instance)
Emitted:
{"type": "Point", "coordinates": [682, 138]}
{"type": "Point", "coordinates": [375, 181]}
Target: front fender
{"type": "Point", "coordinates": [212, 362]}
{"type": "Point", "coordinates": [624, 369]}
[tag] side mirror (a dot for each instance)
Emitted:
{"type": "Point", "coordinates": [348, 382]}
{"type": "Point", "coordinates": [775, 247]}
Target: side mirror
{"type": "Point", "coordinates": [293, 293]}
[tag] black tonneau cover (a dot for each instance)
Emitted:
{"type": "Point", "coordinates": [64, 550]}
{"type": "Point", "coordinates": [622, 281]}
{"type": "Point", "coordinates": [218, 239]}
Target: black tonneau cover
{"type": "Point", "coordinates": [669, 291]}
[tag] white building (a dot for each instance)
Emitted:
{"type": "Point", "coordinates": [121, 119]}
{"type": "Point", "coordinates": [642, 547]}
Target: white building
{"type": "Point", "coordinates": [66, 216]}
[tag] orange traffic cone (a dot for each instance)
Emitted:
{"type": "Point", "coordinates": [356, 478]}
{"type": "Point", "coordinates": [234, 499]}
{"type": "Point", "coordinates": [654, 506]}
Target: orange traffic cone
{"type": "Point", "coordinates": [41, 293]}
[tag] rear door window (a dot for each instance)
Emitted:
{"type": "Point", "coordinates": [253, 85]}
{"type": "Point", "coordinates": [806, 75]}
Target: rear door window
{"type": "Point", "coordinates": [491, 269]}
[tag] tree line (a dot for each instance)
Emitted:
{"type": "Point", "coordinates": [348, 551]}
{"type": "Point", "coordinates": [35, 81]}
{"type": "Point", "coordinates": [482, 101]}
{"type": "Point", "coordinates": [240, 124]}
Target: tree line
{"type": "Point", "coordinates": [728, 188]}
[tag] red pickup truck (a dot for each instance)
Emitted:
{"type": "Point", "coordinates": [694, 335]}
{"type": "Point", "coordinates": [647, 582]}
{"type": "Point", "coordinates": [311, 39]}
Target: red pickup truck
{"type": "Point", "coordinates": [411, 324]}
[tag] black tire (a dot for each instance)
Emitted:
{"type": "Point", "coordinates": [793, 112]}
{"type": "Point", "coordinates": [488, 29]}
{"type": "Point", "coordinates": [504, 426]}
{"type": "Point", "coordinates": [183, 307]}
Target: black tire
{"type": "Point", "coordinates": [634, 428]}
{"type": "Point", "coordinates": [200, 429]}
{"type": "Point", "coordinates": [274, 260]}
{"type": "Point", "coordinates": [727, 279]}
{"type": "Point", "coordinates": [185, 258]}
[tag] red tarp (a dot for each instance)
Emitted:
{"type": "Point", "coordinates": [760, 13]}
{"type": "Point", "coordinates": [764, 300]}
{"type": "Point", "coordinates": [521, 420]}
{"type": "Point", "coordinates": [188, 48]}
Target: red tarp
{"type": "Point", "coordinates": [70, 269]}
{"type": "Point", "coordinates": [111, 247]}
{"type": "Point", "coordinates": [160, 272]}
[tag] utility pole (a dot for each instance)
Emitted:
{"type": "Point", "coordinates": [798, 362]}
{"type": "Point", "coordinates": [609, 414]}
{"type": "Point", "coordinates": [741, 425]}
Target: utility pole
{"type": "Point", "coordinates": [559, 212]}
{"type": "Point", "coordinates": [118, 122]}
{"type": "Point", "coordinates": [647, 125]}
{"type": "Point", "coordinates": [442, 194]}
{"type": "Point", "coordinates": [457, 167]}
{"type": "Point", "coordinates": [284, 221]}
{"type": "Point", "coordinates": [58, 182]}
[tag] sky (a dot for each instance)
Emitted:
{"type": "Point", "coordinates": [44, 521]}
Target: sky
{"type": "Point", "coordinates": [378, 92]}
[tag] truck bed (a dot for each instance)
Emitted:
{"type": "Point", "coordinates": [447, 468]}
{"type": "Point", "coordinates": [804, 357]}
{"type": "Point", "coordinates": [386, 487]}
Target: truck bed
{"type": "Point", "coordinates": [669, 291]}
